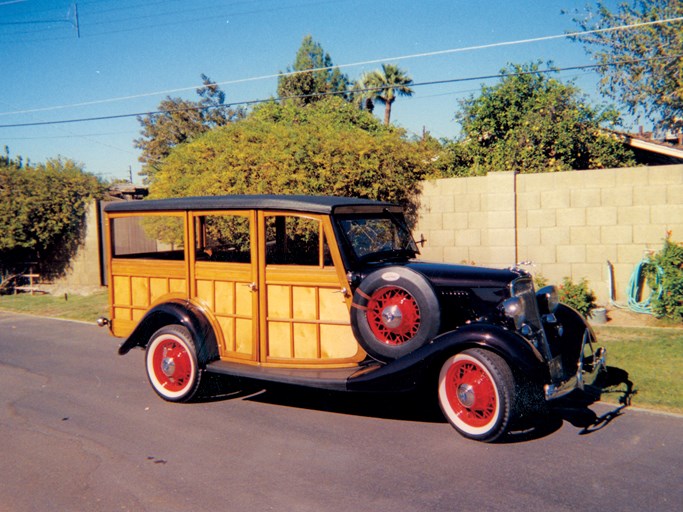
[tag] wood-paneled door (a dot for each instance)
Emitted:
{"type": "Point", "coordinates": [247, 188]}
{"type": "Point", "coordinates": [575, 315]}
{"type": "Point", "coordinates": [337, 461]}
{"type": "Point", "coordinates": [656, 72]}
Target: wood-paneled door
{"type": "Point", "coordinates": [224, 278]}
{"type": "Point", "coordinates": [304, 310]}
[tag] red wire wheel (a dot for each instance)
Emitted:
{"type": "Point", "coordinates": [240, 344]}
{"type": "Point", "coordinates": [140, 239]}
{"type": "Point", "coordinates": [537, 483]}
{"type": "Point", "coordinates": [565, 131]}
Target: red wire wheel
{"type": "Point", "coordinates": [476, 394]}
{"type": "Point", "coordinates": [394, 312]}
{"type": "Point", "coordinates": [171, 364]}
{"type": "Point", "coordinates": [393, 315]}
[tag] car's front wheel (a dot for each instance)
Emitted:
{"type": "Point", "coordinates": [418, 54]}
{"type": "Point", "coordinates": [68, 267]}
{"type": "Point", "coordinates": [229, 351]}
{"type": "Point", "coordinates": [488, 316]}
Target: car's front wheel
{"type": "Point", "coordinates": [477, 394]}
{"type": "Point", "coordinates": [171, 362]}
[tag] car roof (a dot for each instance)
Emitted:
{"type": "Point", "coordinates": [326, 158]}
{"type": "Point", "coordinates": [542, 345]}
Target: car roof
{"type": "Point", "coordinates": [300, 203]}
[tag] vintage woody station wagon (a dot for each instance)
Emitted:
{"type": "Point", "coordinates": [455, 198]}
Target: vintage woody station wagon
{"type": "Point", "coordinates": [327, 292]}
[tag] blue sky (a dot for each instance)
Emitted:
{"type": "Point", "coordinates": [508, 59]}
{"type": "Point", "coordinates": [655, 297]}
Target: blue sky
{"type": "Point", "coordinates": [133, 53]}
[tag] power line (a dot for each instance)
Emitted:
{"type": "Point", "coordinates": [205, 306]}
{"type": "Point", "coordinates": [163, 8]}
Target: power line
{"type": "Point", "coordinates": [183, 21]}
{"type": "Point", "coordinates": [303, 96]}
{"type": "Point", "coordinates": [354, 64]}
{"type": "Point", "coordinates": [70, 136]}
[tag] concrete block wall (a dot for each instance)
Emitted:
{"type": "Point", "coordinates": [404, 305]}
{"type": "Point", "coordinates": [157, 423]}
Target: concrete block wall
{"type": "Point", "coordinates": [84, 271]}
{"type": "Point", "coordinates": [567, 224]}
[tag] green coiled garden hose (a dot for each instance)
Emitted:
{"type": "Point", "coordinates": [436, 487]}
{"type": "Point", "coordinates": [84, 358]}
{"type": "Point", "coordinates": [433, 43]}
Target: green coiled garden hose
{"type": "Point", "coordinates": [636, 285]}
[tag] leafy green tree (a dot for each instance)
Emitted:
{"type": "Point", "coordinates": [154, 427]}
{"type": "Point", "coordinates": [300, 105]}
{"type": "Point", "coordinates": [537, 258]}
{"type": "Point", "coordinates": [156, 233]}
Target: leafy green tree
{"type": "Point", "coordinates": [649, 75]}
{"type": "Point", "coordinates": [42, 212]}
{"type": "Point", "coordinates": [13, 205]}
{"type": "Point", "coordinates": [529, 122]}
{"type": "Point", "coordinates": [329, 148]}
{"type": "Point", "coordinates": [384, 86]}
{"type": "Point", "coordinates": [179, 120]}
{"type": "Point", "coordinates": [312, 77]}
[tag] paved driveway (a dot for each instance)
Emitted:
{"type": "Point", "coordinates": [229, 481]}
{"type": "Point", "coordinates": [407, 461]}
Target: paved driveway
{"type": "Point", "coordinates": [80, 429]}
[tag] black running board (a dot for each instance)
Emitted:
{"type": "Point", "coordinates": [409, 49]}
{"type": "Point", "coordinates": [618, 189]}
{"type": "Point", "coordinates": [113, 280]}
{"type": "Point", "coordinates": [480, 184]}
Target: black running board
{"type": "Point", "coordinates": [333, 379]}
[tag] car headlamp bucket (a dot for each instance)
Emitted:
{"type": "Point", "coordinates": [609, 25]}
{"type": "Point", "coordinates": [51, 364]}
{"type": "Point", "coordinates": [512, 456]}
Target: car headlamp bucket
{"type": "Point", "coordinates": [548, 300]}
{"type": "Point", "coordinates": [514, 309]}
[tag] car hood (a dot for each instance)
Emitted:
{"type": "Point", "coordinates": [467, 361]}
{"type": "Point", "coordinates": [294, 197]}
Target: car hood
{"type": "Point", "coordinates": [444, 275]}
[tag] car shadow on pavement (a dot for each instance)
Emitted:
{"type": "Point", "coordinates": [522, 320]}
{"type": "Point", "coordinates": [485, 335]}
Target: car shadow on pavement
{"type": "Point", "coordinates": [575, 410]}
{"type": "Point", "coordinates": [423, 406]}
{"type": "Point", "coordinates": [410, 406]}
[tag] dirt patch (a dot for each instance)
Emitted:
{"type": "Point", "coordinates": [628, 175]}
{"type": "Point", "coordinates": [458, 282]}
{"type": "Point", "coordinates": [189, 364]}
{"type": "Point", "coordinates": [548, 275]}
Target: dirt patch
{"type": "Point", "coordinates": [628, 318]}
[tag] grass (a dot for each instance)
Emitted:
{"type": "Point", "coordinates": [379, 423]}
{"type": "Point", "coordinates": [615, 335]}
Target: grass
{"type": "Point", "coordinates": [73, 307]}
{"type": "Point", "coordinates": [653, 357]}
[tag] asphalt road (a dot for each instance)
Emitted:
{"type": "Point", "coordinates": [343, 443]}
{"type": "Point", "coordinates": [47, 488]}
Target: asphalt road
{"type": "Point", "coordinates": [81, 430]}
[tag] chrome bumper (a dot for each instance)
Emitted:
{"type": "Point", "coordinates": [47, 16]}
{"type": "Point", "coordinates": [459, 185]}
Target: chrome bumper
{"type": "Point", "coordinates": [591, 364]}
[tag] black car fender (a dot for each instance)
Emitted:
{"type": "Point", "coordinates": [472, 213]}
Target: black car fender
{"type": "Point", "coordinates": [181, 312]}
{"type": "Point", "coordinates": [518, 352]}
{"type": "Point", "coordinates": [421, 365]}
{"type": "Point", "coordinates": [566, 338]}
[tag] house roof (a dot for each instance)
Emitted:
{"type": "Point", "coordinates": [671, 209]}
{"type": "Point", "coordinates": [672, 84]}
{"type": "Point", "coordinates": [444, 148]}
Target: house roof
{"type": "Point", "coordinates": [652, 151]}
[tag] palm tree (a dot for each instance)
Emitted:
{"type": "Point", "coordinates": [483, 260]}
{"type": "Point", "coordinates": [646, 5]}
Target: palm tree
{"type": "Point", "coordinates": [384, 85]}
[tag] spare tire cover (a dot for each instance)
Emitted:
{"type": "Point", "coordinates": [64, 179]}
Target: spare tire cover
{"type": "Point", "coordinates": [394, 311]}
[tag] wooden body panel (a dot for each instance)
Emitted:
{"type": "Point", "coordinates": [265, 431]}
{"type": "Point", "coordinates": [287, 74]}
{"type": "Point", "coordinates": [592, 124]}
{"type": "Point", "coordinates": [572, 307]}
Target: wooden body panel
{"type": "Point", "coordinates": [135, 285]}
{"type": "Point", "coordinates": [274, 315]}
{"type": "Point", "coordinates": [224, 290]}
{"type": "Point", "coordinates": [306, 317]}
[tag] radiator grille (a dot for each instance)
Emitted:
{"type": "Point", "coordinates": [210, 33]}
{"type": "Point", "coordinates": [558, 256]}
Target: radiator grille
{"type": "Point", "coordinates": [523, 288]}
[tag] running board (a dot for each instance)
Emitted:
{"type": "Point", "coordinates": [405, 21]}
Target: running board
{"type": "Point", "coordinates": [333, 379]}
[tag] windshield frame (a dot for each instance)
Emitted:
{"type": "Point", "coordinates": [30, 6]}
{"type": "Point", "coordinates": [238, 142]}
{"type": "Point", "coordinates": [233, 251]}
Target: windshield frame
{"type": "Point", "coordinates": [403, 246]}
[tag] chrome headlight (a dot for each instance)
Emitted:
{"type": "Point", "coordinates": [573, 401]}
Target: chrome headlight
{"type": "Point", "coordinates": [548, 300]}
{"type": "Point", "coordinates": [514, 309]}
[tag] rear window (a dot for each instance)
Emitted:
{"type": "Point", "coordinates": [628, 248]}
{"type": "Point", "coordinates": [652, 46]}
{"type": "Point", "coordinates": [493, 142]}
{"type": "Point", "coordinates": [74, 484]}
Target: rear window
{"type": "Point", "coordinates": [148, 237]}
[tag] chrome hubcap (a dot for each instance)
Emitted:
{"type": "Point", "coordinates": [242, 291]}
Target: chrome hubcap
{"type": "Point", "coordinates": [168, 366]}
{"type": "Point", "coordinates": [466, 395]}
{"type": "Point", "coordinates": [392, 316]}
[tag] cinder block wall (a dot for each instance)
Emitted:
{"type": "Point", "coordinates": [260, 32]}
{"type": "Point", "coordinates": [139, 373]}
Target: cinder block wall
{"type": "Point", "coordinates": [567, 224]}
{"type": "Point", "coordinates": [84, 271]}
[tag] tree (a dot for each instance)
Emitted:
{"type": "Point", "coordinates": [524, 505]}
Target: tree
{"type": "Point", "coordinates": [42, 212]}
{"type": "Point", "coordinates": [312, 77]}
{"type": "Point", "coordinates": [530, 122]}
{"type": "Point", "coordinates": [384, 86]}
{"type": "Point", "coordinates": [214, 110]}
{"type": "Point", "coordinates": [642, 66]}
{"type": "Point", "coordinates": [329, 148]}
{"type": "Point", "coordinates": [13, 204]}
{"type": "Point", "coordinates": [178, 121]}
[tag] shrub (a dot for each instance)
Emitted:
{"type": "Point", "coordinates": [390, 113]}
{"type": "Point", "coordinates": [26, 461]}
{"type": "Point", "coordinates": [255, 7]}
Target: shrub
{"type": "Point", "coordinates": [578, 296]}
{"type": "Point", "coordinates": [540, 281]}
{"type": "Point", "coordinates": [665, 268]}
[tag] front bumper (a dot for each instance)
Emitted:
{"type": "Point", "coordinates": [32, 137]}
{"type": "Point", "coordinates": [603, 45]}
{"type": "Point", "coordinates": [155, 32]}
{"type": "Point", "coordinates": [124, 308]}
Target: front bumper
{"type": "Point", "coordinates": [590, 366]}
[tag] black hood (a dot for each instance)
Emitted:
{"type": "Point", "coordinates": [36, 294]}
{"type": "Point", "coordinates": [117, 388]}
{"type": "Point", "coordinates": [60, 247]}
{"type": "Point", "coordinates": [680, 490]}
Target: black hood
{"type": "Point", "coordinates": [443, 275]}
{"type": "Point", "coordinates": [466, 293]}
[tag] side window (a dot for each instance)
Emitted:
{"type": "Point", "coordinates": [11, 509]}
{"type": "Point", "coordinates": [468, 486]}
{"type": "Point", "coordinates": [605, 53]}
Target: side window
{"type": "Point", "coordinates": [293, 240]}
{"type": "Point", "coordinates": [223, 238]}
{"type": "Point", "coordinates": [148, 237]}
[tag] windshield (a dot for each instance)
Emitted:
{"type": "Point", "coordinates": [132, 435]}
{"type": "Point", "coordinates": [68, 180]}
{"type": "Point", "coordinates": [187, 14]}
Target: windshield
{"type": "Point", "coordinates": [377, 236]}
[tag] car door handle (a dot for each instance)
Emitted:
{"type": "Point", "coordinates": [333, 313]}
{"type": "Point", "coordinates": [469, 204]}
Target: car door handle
{"type": "Point", "coordinates": [252, 287]}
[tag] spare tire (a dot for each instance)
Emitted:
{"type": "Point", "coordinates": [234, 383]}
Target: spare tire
{"type": "Point", "coordinates": [394, 311]}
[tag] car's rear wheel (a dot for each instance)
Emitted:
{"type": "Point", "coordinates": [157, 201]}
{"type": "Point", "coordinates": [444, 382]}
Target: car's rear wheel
{"type": "Point", "coordinates": [477, 394]}
{"type": "Point", "coordinates": [171, 362]}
